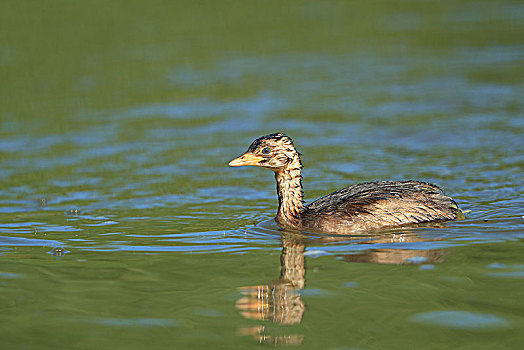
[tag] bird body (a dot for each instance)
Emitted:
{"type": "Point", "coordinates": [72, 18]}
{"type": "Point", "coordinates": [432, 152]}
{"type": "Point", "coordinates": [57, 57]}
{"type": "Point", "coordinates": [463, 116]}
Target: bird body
{"type": "Point", "coordinates": [375, 205]}
{"type": "Point", "coordinates": [367, 206]}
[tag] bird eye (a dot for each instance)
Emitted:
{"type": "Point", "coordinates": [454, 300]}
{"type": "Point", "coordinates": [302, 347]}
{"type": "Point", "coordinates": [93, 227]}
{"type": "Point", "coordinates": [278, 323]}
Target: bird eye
{"type": "Point", "coordinates": [266, 150]}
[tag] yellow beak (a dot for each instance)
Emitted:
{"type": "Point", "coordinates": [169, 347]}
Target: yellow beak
{"type": "Point", "coordinates": [246, 159]}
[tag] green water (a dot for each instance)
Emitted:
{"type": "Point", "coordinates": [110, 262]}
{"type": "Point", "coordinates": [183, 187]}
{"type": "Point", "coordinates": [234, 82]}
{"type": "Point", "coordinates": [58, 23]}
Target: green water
{"type": "Point", "coordinates": [121, 226]}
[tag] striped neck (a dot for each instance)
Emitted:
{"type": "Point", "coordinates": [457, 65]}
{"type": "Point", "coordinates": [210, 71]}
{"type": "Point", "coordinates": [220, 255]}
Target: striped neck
{"type": "Point", "coordinates": [290, 194]}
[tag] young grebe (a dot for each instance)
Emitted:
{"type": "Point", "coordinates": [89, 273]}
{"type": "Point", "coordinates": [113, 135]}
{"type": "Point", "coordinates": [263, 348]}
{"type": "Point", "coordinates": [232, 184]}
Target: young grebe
{"type": "Point", "coordinates": [364, 207]}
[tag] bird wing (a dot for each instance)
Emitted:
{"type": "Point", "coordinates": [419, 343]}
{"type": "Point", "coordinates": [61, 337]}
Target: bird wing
{"type": "Point", "coordinates": [387, 203]}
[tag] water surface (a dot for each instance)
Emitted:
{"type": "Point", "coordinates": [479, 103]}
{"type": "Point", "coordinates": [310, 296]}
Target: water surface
{"type": "Point", "coordinates": [121, 225]}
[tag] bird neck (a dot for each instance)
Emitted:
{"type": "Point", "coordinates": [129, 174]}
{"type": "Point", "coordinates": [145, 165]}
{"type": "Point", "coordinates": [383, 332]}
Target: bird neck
{"type": "Point", "coordinates": [290, 194]}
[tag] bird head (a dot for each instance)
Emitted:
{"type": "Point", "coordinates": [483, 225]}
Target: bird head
{"type": "Point", "coordinates": [273, 151]}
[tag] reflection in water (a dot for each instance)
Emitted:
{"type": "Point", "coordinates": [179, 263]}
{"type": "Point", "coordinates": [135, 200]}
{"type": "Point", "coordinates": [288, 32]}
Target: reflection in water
{"type": "Point", "coordinates": [280, 301]}
{"type": "Point", "coordinates": [398, 256]}
{"type": "Point", "coordinates": [263, 336]}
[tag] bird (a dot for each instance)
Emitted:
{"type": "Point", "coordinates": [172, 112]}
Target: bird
{"type": "Point", "coordinates": [364, 207]}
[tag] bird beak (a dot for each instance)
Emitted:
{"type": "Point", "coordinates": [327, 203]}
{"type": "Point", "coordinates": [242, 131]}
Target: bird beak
{"type": "Point", "coordinates": [246, 159]}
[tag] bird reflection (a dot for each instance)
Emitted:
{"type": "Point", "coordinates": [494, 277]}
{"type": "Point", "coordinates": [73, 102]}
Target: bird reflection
{"type": "Point", "coordinates": [280, 301]}
{"type": "Point", "coordinates": [397, 256]}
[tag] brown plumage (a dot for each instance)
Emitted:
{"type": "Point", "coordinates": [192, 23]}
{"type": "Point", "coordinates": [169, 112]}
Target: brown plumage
{"type": "Point", "coordinates": [364, 207]}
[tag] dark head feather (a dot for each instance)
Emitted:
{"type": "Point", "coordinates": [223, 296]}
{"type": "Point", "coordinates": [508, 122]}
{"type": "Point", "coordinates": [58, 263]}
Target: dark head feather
{"type": "Point", "coordinates": [271, 137]}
